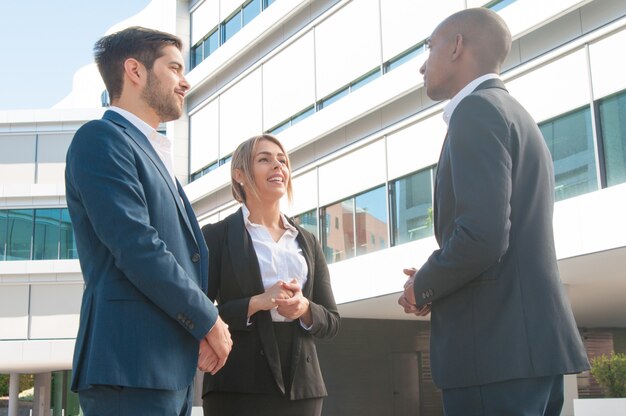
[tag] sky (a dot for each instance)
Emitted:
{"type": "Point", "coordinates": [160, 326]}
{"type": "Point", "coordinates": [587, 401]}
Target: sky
{"type": "Point", "coordinates": [44, 42]}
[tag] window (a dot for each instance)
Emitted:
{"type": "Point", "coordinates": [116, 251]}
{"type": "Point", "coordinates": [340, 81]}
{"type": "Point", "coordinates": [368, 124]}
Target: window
{"type": "Point", "coordinates": [371, 218]}
{"type": "Point", "coordinates": [365, 80]}
{"type": "Point", "coordinates": [3, 234]}
{"type": "Point", "coordinates": [412, 206]}
{"type": "Point", "coordinates": [251, 10]}
{"type": "Point", "coordinates": [570, 140]}
{"type": "Point", "coordinates": [40, 234]}
{"type": "Point", "coordinates": [360, 226]}
{"type": "Point", "coordinates": [19, 234]}
{"type": "Point", "coordinates": [231, 26]}
{"type": "Point", "coordinates": [338, 241]}
{"type": "Point", "coordinates": [332, 98]}
{"type": "Point", "coordinates": [405, 56]}
{"type": "Point", "coordinates": [499, 5]}
{"type": "Point", "coordinates": [613, 126]}
{"type": "Point", "coordinates": [68, 243]}
{"type": "Point", "coordinates": [47, 234]}
{"type": "Point", "coordinates": [211, 43]}
{"type": "Point", "coordinates": [308, 221]}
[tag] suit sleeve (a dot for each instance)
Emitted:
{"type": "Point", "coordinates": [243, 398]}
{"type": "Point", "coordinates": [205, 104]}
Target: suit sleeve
{"type": "Point", "coordinates": [326, 320]}
{"type": "Point", "coordinates": [102, 172]}
{"type": "Point", "coordinates": [481, 175]}
{"type": "Point", "coordinates": [233, 312]}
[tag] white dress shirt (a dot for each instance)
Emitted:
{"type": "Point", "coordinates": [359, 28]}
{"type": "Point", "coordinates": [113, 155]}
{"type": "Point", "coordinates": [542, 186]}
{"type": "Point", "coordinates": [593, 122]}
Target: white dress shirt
{"type": "Point", "coordinates": [160, 143]}
{"type": "Point", "coordinates": [278, 260]}
{"type": "Point", "coordinates": [465, 91]}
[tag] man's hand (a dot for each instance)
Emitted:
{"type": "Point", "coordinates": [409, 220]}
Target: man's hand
{"type": "Point", "coordinates": [407, 299]}
{"type": "Point", "coordinates": [219, 342]}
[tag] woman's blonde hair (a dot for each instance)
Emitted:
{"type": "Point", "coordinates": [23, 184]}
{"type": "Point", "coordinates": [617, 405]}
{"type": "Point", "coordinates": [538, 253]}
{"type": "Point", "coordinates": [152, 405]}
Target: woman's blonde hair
{"type": "Point", "coordinates": [242, 160]}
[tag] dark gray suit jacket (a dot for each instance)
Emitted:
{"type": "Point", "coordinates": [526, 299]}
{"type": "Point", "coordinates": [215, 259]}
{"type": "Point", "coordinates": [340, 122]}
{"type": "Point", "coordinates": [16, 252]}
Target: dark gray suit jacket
{"type": "Point", "coordinates": [500, 311]}
{"type": "Point", "coordinates": [234, 276]}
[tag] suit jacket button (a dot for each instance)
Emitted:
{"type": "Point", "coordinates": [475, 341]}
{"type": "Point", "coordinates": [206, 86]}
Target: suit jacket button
{"type": "Point", "coordinates": [308, 358]}
{"type": "Point", "coordinates": [262, 353]}
{"type": "Point", "coordinates": [191, 326]}
{"type": "Point", "coordinates": [195, 257]}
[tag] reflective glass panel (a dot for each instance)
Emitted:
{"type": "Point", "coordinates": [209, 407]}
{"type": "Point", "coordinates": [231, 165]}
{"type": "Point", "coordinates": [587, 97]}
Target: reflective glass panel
{"type": "Point", "coordinates": [19, 234]}
{"type": "Point", "coordinates": [338, 238]}
{"type": "Point", "coordinates": [211, 43]}
{"type": "Point", "coordinates": [3, 234]}
{"type": "Point", "coordinates": [308, 221]}
{"type": "Point", "coordinates": [371, 221]}
{"type": "Point", "coordinates": [613, 124]}
{"type": "Point", "coordinates": [47, 234]}
{"type": "Point", "coordinates": [68, 243]}
{"type": "Point", "coordinates": [570, 141]}
{"type": "Point", "coordinates": [251, 10]}
{"type": "Point", "coordinates": [412, 207]}
{"type": "Point", "coordinates": [231, 26]}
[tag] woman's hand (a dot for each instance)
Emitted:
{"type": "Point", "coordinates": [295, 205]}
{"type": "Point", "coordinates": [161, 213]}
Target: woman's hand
{"type": "Point", "coordinates": [267, 300]}
{"type": "Point", "coordinates": [296, 306]}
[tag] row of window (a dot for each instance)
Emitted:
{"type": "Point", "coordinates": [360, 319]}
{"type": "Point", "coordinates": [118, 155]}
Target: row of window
{"type": "Point", "coordinates": [226, 29]}
{"type": "Point", "coordinates": [361, 224]}
{"type": "Point", "coordinates": [36, 234]}
{"type": "Point", "coordinates": [352, 86]}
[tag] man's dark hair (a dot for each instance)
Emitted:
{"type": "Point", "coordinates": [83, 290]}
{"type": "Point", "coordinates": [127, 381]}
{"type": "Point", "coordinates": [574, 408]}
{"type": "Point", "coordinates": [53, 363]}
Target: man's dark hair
{"type": "Point", "coordinates": [140, 43]}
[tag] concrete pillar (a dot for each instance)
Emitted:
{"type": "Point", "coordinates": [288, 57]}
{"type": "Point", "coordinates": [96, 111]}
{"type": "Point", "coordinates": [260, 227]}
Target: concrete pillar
{"type": "Point", "coordinates": [41, 399]}
{"type": "Point", "coordinates": [14, 387]}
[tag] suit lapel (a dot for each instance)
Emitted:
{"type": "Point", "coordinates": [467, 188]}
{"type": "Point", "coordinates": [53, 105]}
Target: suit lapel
{"type": "Point", "coordinates": [307, 251]}
{"type": "Point", "coordinates": [248, 275]}
{"type": "Point", "coordinates": [144, 144]}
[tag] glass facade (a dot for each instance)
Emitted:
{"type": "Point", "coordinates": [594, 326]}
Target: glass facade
{"type": "Point", "coordinates": [355, 226]}
{"type": "Point", "coordinates": [612, 111]}
{"type": "Point", "coordinates": [36, 234]}
{"type": "Point", "coordinates": [308, 221]}
{"type": "Point", "coordinates": [570, 140]}
{"type": "Point", "coordinates": [227, 29]}
{"type": "Point", "coordinates": [412, 201]}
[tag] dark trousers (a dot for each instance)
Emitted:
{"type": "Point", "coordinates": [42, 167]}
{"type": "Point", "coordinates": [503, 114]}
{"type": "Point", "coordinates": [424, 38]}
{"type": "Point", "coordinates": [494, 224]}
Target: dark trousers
{"type": "Point", "coordinates": [128, 401]}
{"type": "Point", "coordinates": [542, 396]}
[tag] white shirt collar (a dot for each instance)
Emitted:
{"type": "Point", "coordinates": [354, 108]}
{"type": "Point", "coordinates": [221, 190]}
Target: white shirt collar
{"type": "Point", "coordinates": [143, 127]}
{"type": "Point", "coordinates": [247, 222]}
{"type": "Point", "coordinates": [467, 90]}
{"type": "Point", "coordinates": [160, 143]}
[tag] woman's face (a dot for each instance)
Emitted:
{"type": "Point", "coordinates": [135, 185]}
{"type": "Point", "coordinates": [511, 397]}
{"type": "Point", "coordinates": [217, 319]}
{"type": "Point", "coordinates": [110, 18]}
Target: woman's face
{"type": "Point", "coordinates": [269, 170]}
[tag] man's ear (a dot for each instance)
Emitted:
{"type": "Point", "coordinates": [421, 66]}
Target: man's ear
{"type": "Point", "coordinates": [458, 47]}
{"type": "Point", "coordinates": [134, 71]}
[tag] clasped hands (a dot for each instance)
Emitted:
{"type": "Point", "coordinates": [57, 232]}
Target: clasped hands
{"type": "Point", "coordinates": [214, 348]}
{"type": "Point", "coordinates": [407, 299]}
{"type": "Point", "coordinates": [288, 300]}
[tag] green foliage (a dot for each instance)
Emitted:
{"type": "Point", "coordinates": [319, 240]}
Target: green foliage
{"type": "Point", "coordinates": [610, 373]}
{"type": "Point", "coordinates": [4, 385]}
{"type": "Point", "coordinates": [26, 381]}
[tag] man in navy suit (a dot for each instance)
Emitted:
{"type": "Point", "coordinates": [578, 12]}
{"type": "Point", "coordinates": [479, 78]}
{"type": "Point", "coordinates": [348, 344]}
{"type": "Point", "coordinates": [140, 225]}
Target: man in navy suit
{"type": "Point", "coordinates": [145, 322]}
{"type": "Point", "coordinates": [502, 330]}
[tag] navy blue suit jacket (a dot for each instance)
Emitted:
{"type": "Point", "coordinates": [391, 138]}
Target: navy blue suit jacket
{"type": "Point", "coordinates": [499, 309]}
{"type": "Point", "coordinates": [144, 262]}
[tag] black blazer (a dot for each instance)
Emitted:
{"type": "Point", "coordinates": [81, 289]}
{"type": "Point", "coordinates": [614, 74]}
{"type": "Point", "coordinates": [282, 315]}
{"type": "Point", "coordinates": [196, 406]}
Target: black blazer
{"type": "Point", "coordinates": [253, 365]}
{"type": "Point", "coordinates": [500, 311]}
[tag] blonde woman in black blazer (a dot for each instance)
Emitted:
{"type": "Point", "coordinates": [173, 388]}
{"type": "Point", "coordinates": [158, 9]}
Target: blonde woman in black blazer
{"type": "Point", "coordinates": [271, 283]}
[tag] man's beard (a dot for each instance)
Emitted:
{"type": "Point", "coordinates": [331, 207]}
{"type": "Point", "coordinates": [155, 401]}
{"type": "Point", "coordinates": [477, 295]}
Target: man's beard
{"type": "Point", "coordinates": [165, 105]}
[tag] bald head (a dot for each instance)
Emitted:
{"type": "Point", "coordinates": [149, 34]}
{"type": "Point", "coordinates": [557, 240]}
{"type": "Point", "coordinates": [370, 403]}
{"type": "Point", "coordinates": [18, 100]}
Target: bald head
{"type": "Point", "coordinates": [484, 34]}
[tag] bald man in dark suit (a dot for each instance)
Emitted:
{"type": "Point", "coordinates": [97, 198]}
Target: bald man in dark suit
{"type": "Point", "coordinates": [503, 333]}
